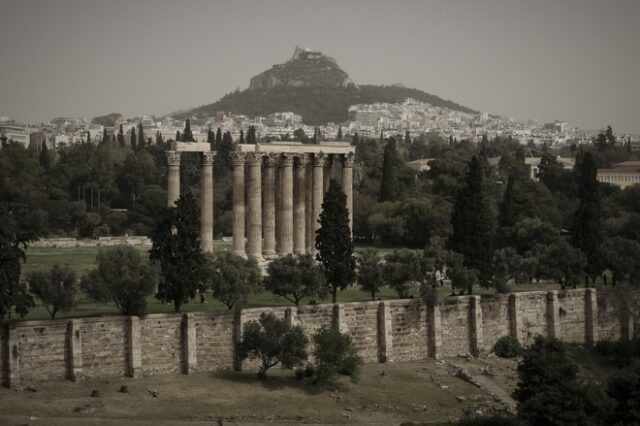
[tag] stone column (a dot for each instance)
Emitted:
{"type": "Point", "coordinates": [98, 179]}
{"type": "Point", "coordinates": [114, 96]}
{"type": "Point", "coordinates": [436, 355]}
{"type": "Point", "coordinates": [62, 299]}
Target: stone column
{"type": "Point", "coordinates": [327, 174]}
{"type": "Point", "coordinates": [189, 343]}
{"type": "Point", "coordinates": [134, 354]}
{"type": "Point", "coordinates": [286, 204]}
{"type": "Point", "coordinates": [347, 184]}
{"type": "Point", "coordinates": [385, 332]}
{"type": "Point", "coordinates": [475, 325]}
{"type": "Point", "coordinates": [319, 161]}
{"type": "Point", "coordinates": [310, 235]}
{"type": "Point", "coordinates": [254, 199]}
{"type": "Point", "coordinates": [238, 202]}
{"type": "Point", "coordinates": [173, 178]}
{"type": "Point", "coordinates": [269, 208]}
{"type": "Point", "coordinates": [74, 342]}
{"type": "Point", "coordinates": [299, 215]}
{"type": "Point", "coordinates": [206, 202]}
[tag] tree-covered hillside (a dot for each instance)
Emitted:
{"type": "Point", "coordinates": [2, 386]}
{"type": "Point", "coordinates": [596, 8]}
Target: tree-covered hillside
{"type": "Point", "coordinates": [316, 104]}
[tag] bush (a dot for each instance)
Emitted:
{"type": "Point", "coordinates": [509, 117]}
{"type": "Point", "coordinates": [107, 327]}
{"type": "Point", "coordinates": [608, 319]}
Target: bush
{"type": "Point", "coordinates": [272, 341]}
{"type": "Point", "coordinates": [622, 353]}
{"type": "Point", "coordinates": [507, 347]}
{"type": "Point", "coordinates": [299, 373]}
{"type": "Point", "coordinates": [309, 370]}
{"type": "Point", "coordinates": [335, 354]}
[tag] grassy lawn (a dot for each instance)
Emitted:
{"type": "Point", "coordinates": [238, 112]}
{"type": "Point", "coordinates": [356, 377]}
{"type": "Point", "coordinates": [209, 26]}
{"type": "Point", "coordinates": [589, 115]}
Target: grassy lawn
{"type": "Point", "coordinates": [386, 394]}
{"type": "Point", "coordinates": [82, 259]}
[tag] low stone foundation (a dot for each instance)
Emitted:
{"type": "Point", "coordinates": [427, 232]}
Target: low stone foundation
{"type": "Point", "coordinates": [383, 331]}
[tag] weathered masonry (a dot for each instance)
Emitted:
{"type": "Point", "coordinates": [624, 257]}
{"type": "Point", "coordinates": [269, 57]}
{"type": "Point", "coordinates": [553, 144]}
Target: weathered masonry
{"type": "Point", "coordinates": [278, 189]}
{"type": "Point", "coordinates": [385, 331]}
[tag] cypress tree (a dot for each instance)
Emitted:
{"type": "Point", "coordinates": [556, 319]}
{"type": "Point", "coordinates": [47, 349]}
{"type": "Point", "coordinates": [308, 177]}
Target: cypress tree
{"type": "Point", "coordinates": [105, 139]}
{"type": "Point", "coordinates": [178, 136]}
{"type": "Point", "coordinates": [333, 241]}
{"type": "Point", "coordinates": [187, 135]}
{"type": "Point", "coordinates": [159, 140]}
{"type": "Point", "coordinates": [133, 139]}
{"type": "Point", "coordinates": [356, 139]}
{"type": "Point", "coordinates": [389, 183]}
{"type": "Point", "coordinates": [223, 160]}
{"type": "Point", "coordinates": [506, 218]}
{"type": "Point", "coordinates": [141, 141]}
{"type": "Point", "coordinates": [218, 138]}
{"type": "Point", "coordinates": [45, 160]}
{"type": "Point", "coordinates": [407, 138]}
{"type": "Point", "coordinates": [241, 136]}
{"type": "Point", "coordinates": [121, 136]}
{"type": "Point", "coordinates": [339, 133]}
{"type": "Point", "coordinates": [472, 221]}
{"type": "Point", "coordinates": [586, 231]}
{"type": "Point", "coordinates": [211, 139]}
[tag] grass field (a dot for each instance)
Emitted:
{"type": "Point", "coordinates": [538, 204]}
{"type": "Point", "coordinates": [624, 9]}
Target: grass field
{"type": "Point", "coordinates": [386, 394]}
{"type": "Point", "coordinates": [82, 259]}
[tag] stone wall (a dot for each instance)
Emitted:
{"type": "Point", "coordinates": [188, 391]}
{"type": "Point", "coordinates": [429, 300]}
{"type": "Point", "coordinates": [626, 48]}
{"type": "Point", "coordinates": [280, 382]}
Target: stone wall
{"type": "Point", "coordinates": [98, 242]}
{"type": "Point", "coordinates": [384, 331]}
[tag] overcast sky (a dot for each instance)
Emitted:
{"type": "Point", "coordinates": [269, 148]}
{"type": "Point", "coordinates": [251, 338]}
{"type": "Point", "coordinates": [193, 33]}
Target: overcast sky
{"type": "Point", "coordinates": [546, 59]}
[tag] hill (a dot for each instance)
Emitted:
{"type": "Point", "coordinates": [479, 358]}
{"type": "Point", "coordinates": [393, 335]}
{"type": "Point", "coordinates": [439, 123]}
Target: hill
{"type": "Point", "coordinates": [314, 86]}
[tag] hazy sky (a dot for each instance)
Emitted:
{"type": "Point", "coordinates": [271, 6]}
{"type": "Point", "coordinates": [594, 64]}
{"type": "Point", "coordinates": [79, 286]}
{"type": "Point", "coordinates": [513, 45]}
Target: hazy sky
{"type": "Point", "coordinates": [573, 60]}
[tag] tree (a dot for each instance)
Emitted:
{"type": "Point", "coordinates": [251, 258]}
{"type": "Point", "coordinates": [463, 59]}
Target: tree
{"type": "Point", "coordinates": [333, 240]}
{"type": "Point", "coordinates": [355, 139]}
{"type": "Point", "coordinates": [13, 243]}
{"type": "Point", "coordinates": [133, 140]}
{"type": "Point", "coordinates": [187, 135]}
{"type": "Point", "coordinates": [233, 278]}
{"type": "Point", "coordinates": [273, 341]}
{"type": "Point", "coordinates": [121, 136]}
{"type": "Point", "coordinates": [141, 138]}
{"type": "Point", "coordinates": [389, 183]}
{"type": "Point", "coordinates": [241, 136]}
{"type": "Point", "coordinates": [339, 137]}
{"type": "Point", "coordinates": [407, 138]}
{"type": "Point", "coordinates": [159, 139]}
{"type": "Point", "coordinates": [211, 139]}
{"type": "Point", "coordinates": [45, 159]}
{"type": "Point", "coordinates": [549, 392]}
{"type": "Point", "coordinates": [176, 248]}
{"type": "Point", "coordinates": [624, 388]}
{"type": "Point", "coordinates": [473, 222]}
{"type": "Point", "coordinates": [218, 138]}
{"type": "Point", "coordinates": [123, 277]}
{"type": "Point", "coordinates": [301, 135]}
{"type": "Point", "coordinates": [621, 258]}
{"type": "Point", "coordinates": [294, 278]}
{"type": "Point", "coordinates": [370, 272]}
{"type": "Point", "coordinates": [462, 277]}
{"type": "Point", "coordinates": [56, 288]}
{"type": "Point", "coordinates": [334, 353]}
{"type": "Point", "coordinates": [586, 230]}
{"type": "Point", "coordinates": [402, 269]}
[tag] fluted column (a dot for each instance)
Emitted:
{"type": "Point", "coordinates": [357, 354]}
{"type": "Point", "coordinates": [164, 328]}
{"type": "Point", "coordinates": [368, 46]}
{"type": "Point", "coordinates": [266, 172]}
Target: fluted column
{"type": "Point", "coordinates": [206, 202]}
{"type": "Point", "coordinates": [254, 200]}
{"type": "Point", "coordinates": [173, 177]}
{"type": "Point", "coordinates": [310, 235]}
{"type": "Point", "coordinates": [327, 174]}
{"type": "Point", "coordinates": [319, 161]}
{"type": "Point", "coordinates": [347, 184]}
{"type": "Point", "coordinates": [299, 214]}
{"type": "Point", "coordinates": [269, 208]}
{"type": "Point", "coordinates": [286, 204]}
{"type": "Point", "coordinates": [238, 202]}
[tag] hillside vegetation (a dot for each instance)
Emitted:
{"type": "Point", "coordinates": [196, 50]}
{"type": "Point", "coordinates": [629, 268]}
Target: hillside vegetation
{"type": "Point", "coordinates": [316, 104]}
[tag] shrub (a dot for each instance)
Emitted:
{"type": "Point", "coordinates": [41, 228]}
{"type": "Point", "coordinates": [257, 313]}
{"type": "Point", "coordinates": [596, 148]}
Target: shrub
{"type": "Point", "coordinates": [299, 373]}
{"type": "Point", "coordinates": [622, 353]}
{"type": "Point", "coordinates": [335, 354]}
{"type": "Point", "coordinates": [309, 370]}
{"type": "Point", "coordinates": [273, 341]}
{"type": "Point", "coordinates": [507, 347]}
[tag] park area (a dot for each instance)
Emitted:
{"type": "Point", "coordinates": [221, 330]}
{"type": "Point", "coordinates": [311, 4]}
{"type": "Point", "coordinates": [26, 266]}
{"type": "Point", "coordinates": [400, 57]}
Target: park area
{"type": "Point", "coordinates": [82, 259]}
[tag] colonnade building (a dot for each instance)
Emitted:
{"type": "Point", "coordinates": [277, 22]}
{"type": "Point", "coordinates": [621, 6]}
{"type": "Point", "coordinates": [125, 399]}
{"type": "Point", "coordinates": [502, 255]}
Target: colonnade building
{"type": "Point", "coordinates": [278, 190]}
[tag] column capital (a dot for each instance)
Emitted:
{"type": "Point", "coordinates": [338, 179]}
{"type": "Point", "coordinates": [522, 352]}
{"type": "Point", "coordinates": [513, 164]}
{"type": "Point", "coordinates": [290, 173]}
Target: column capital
{"type": "Point", "coordinates": [286, 159]}
{"type": "Point", "coordinates": [303, 159]}
{"type": "Point", "coordinates": [208, 157]}
{"type": "Point", "coordinates": [238, 158]}
{"type": "Point", "coordinates": [320, 159]}
{"type": "Point", "coordinates": [348, 159]}
{"type": "Point", "coordinates": [254, 158]}
{"type": "Point", "coordinates": [173, 158]}
{"type": "Point", "coordinates": [270, 160]}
